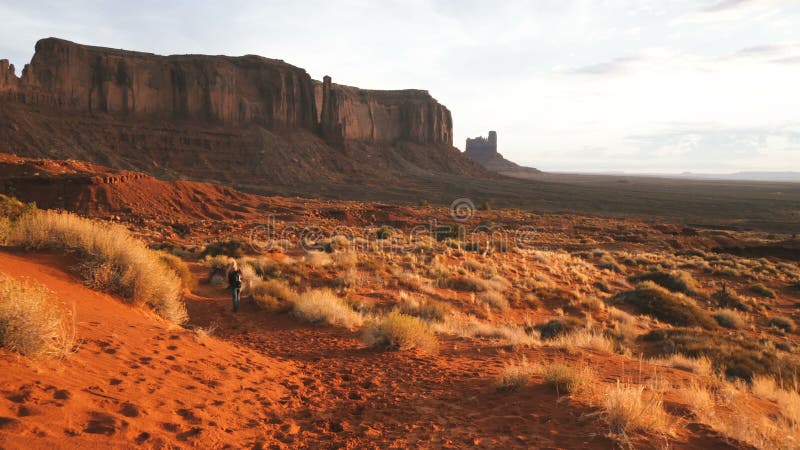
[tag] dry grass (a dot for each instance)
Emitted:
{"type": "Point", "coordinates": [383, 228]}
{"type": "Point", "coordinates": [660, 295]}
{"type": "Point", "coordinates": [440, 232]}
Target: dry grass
{"type": "Point", "coordinates": [784, 323]}
{"type": "Point", "coordinates": [763, 291]}
{"type": "Point", "coordinates": [323, 306]}
{"type": "Point", "coordinates": [32, 322]}
{"type": "Point", "coordinates": [495, 300]}
{"type": "Point", "coordinates": [729, 318]}
{"type": "Point", "coordinates": [673, 308]}
{"type": "Point", "coordinates": [273, 295]}
{"type": "Point", "coordinates": [424, 308]}
{"type": "Point", "coordinates": [628, 408]}
{"type": "Point", "coordinates": [514, 375]}
{"type": "Point", "coordinates": [743, 423]}
{"type": "Point", "coordinates": [700, 365]}
{"type": "Point", "coordinates": [112, 259]}
{"type": "Point", "coordinates": [583, 338]}
{"type": "Point", "coordinates": [700, 399]}
{"type": "Point", "coordinates": [180, 268]}
{"type": "Point", "coordinates": [402, 332]}
{"type": "Point", "coordinates": [676, 280]}
{"type": "Point", "coordinates": [566, 379]}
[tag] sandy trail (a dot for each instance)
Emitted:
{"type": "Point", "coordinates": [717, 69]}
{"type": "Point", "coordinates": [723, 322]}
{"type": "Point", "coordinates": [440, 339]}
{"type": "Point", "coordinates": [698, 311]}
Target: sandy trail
{"type": "Point", "coordinates": [264, 380]}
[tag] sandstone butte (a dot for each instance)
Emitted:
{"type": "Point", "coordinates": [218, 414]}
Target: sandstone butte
{"type": "Point", "coordinates": [248, 120]}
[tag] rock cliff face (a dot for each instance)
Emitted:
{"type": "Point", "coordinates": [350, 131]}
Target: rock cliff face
{"type": "Point", "coordinates": [248, 121]}
{"type": "Point", "coordinates": [350, 113]}
{"type": "Point", "coordinates": [247, 89]}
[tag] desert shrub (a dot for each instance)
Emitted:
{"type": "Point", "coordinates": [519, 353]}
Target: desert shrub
{"type": "Point", "coordinates": [784, 323]}
{"type": "Point", "coordinates": [232, 248]}
{"type": "Point", "coordinates": [606, 261]}
{"type": "Point", "coordinates": [383, 233]}
{"type": "Point", "coordinates": [111, 259]}
{"type": "Point", "coordinates": [273, 295]}
{"type": "Point", "coordinates": [399, 331]}
{"type": "Point", "coordinates": [318, 259]}
{"type": "Point", "coordinates": [628, 408]}
{"type": "Point", "coordinates": [180, 268]}
{"type": "Point", "coordinates": [32, 322]}
{"type": "Point", "coordinates": [514, 375]}
{"type": "Point", "coordinates": [556, 327]}
{"type": "Point", "coordinates": [700, 365]}
{"type": "Point", "coordinates": [426, 309]}
{"type": "Point", "coordinates": [795, 285]}
{"type": "Point", "coordinates": [583, 338]}
{"type": "Point", "coordinates": [564, 378]}
{"type": "Point", "coordinates": [468, 283]}
{"type": "Point", "coordinates": [676, 280]}
{"type": "Point", "coordinates": [494, 299]}
{"type": "Point", "coordinates": [264, 268]}
{"type": "Point", "coordinates": [345, 260]}
{"type": "Point", "coordinates": [735, 356]}
{"type": "Point", "coordinates": [676, 309]}
{"type": "Point", "coordinates": [12, 209]}
{"type": "Point", "coordinates": [727, 298]}
{"type": "Point", "coordinates": [218, 269]}
{"type": "Point", "coordinates": [729, 318]}
{"type": "Point", "coordinates": [763, 291]}
{"type": "Point", "coordinates": [323, 306]}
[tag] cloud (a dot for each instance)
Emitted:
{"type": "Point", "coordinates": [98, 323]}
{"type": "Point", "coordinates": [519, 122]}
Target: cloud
{"type": "Point", "coordinates": [725, 5]}
{"type": "Point", "coordinates": [612, 67]}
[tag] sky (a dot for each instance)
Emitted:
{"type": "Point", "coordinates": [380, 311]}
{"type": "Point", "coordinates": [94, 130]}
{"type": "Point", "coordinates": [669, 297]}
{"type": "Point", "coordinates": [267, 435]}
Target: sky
{"type": "Point", "coordinates": [661, 86]}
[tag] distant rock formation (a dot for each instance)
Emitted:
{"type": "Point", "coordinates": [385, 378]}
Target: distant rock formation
{"type": "Point", "coordinates": [249, 121]}
{"type": "Point", "coordinates": [484, 151]}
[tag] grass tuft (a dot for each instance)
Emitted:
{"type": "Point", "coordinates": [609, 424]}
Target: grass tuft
{"type": "Point", "coordinates": [676, 309]}
{"type": "Point", "coordinates": [111, 259]}
{"type": "Point", "coordinates": [323, 306]}
{"type": "Point", "coordinates": [32, 322]}
{"type": "Point", "coordinates": [401, 332]}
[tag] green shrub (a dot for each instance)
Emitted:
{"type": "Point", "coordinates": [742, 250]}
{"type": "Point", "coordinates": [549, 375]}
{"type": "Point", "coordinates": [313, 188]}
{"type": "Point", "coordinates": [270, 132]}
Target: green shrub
{"type": "Point", "coordinates": [32, 322]}
{"type": "Point", "coordinates": [399, 331]}
{"type": "Point", "coordinates": [673, 308]}
{"type": "Point", "coordinates": [676, 280]}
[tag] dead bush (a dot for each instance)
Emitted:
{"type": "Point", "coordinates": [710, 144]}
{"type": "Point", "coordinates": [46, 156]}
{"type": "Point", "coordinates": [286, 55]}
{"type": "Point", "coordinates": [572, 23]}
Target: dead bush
{"type": "Point", "coordinates": [399, 331]}
{"type": "Point", "coordinates": [32, 322]}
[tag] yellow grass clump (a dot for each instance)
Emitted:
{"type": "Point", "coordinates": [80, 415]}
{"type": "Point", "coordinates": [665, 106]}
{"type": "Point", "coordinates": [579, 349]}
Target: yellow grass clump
{"type": "Point", "coordinates": [403, 332]}
{"type": "Point", "coordinates": [628, 408]}
{"type": "Point", "coordinates": [273, 295]}
{"type": "Point", "coordinates": [32, 322]}
{"type": "Point", "coordinates": [514, 375]}
{"type": "Point", "coordinates": [587, 339]}
{"type": "Point", "coordinates": [111, 258]}
{"type": "Point", "coordinates": [323, 306]}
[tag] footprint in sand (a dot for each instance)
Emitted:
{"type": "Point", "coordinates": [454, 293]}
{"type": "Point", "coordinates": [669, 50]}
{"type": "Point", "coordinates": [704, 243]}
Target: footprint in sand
{"type": "Point", "coordinates": [9, 423]}
{"type": "Point", "coordinates": [101, 423]}
{"type": "Point", "coordinates": [62, 394]}
{"type": "Point", "coordinates": [188, 416]}
{"type": "Point", "coordinates": [129, 410]}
